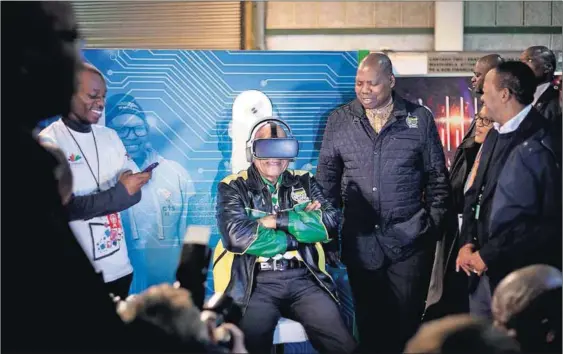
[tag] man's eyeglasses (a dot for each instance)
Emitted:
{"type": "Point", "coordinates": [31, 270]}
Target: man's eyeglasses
{"type": "Point", "coordinates": [484, 121]}
{"type": "Point", "coordinates": [140, 131]}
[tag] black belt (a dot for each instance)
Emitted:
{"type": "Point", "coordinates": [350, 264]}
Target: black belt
{"type": "Point", "coordinates": [280, 264]}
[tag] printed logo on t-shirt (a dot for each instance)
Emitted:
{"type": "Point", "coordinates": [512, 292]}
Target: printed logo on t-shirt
{"type": "Point", "coordinates": [107, 237]}
{"type": "Point", "coordinates": [75, 158]}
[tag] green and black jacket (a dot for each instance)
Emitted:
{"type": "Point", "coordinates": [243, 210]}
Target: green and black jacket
{"type": "Point", "coordinates": [242, 199]}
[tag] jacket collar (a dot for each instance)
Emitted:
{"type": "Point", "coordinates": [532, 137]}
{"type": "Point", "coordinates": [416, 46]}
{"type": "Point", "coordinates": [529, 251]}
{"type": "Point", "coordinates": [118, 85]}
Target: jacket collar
{"type": "Point", "coordinates": [399, 107]}
{"type": "Point", "coordinates": [255, 180]}
{"type": "Point", "coordinates": [551, 93]}
{"type": "Point", "coordinates": [533, 122]}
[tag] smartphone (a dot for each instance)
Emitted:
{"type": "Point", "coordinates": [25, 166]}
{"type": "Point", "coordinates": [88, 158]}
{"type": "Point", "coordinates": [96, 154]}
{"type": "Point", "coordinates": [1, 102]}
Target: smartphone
{"type": "Point", "coordinates": [151, 167]}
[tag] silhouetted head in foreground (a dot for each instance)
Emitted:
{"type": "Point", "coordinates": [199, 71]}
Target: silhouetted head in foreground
{"type": "Point", "coordinates": [527, 305]}
{"type": "Point", "coordinates": [39, 74]}
{"type": "Point", "coordinates": [460, 334]}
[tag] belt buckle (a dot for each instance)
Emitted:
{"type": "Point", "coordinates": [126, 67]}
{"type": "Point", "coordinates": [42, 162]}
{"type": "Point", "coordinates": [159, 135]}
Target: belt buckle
{"type": "Point", "coordinates": [280, 264]}
{"type": "Point", "coordinates": [264, 266]}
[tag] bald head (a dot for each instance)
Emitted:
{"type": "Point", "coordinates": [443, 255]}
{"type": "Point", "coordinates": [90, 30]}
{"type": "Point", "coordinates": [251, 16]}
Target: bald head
{"type": "Point", "coordinates": [270, 130]}
{"type": "Point", "coordinates": [490, 61]}
{"type": "Point", "coordinates": [460, 334]}
{"type": "Point", "coordinates": [521, 287]}
{"type": "Point", "coordinates": [375, 81]}
{"type": "Point", "coordinates": [377, 61]}
{"type": "Point", "coordinates": [541, 60]}
{"type": "Point", "coordinates": [481, 68]}
{"type": "Point", "coordinates": [527, 305]}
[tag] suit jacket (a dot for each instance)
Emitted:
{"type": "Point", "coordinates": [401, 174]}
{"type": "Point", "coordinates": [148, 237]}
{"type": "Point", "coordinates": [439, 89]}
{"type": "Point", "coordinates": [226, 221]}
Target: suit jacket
{"type": "Point", "coordinates": [549, 107]}
{"type": "Point", "coordinates": [548, 104]}
{"type": "Point", "coordinates": [476, 231]}
{"type": "Point", "coordinates": [525, 226]}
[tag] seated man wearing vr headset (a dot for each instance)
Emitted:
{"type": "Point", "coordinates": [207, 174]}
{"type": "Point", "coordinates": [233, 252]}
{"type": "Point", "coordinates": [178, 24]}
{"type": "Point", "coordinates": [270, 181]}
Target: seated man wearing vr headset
{"type": "Point", "coordinates": [270, 259]}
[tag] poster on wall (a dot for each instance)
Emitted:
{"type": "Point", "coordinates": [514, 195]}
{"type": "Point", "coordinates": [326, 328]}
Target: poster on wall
{"type": "Point", "coordinates": [449, 99]}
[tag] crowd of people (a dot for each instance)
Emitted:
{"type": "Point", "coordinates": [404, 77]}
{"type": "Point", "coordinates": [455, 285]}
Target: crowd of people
{"type": "Point", "coordinates": [383, 202]}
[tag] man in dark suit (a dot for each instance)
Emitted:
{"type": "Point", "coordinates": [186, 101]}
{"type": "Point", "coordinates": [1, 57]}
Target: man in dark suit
{"type": "Point", "coordinates": [508, 93]}
{"type": "Point", "coordinates": [542, 61]}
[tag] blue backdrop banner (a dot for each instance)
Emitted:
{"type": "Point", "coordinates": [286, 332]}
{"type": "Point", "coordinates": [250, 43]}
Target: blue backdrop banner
{"type": "Point", "coordinates": [175, 107]}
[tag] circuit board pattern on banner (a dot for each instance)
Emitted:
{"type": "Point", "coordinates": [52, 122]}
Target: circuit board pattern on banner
{"type": "Point", "coordinates": [187, 98]}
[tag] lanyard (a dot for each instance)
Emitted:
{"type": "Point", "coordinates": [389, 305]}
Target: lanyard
{"type": "Point", "coordinates": [97, 180]}
{"type": "Point", "coordinates": [482, 189]}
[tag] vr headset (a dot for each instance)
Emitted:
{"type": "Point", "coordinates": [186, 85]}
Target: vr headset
{"type": "Point", "coordinates": [274, 147]}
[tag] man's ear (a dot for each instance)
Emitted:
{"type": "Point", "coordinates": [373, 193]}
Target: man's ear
{"type": "Point", "coordinates": [505, 95]}
{"type": "Point", "coordinates": [392, 79]}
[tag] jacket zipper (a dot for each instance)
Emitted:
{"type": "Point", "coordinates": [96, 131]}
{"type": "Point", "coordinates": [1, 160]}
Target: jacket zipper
{"type": "Point", "coordinates": [251, 283]}
{"type": "Point", "coordinates": [249, 289]}
{"type": "Point", "coordinates": [320, 282]}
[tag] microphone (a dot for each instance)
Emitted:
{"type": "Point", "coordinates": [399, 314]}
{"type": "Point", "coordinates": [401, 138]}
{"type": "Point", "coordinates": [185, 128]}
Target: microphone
{"type": "Point", "coordinates": [194, 262]}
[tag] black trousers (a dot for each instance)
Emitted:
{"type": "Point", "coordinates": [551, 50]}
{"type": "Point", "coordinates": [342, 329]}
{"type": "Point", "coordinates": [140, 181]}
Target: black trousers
{"type": "Point", "coordinates": [480, 300]}
{"type": "Point", "coordinates": [294, 294]}
{"type": "Point", "coordinates": [389, 302]}
{"type": "Point", "coordinates": [120, 287]}
{"type": "Point", "coordinates": [454, 298]}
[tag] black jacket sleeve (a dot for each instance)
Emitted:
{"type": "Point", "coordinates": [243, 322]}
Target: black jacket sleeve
{"type": "Point", "coordinates": [110, 201]}
{"type": "Point", "coordinates": [329, 172]}
{"type": "Point", "coordinates": [437, 188]}
{"type": "Point", "coordinates": [330, 165]}
{"type": "Point", "coordinates": [550, 107]}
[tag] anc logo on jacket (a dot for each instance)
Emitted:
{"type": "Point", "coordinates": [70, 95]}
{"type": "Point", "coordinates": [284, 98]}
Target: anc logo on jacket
{"type": "Point", "coordinates": [412, 121]}
{"type": "Point", "coordinates": [299, 195]}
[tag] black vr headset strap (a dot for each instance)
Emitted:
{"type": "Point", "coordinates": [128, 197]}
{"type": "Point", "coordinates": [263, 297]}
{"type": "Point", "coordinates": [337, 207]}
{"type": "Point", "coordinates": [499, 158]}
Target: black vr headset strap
{"type": "Point", "coordinates": [273, 130]}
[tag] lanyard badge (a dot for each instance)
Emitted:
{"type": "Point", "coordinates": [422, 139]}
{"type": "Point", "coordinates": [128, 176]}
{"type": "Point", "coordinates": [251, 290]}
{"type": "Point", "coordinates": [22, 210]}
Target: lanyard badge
{"type": "Point", "coordinates": [478, 206]}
